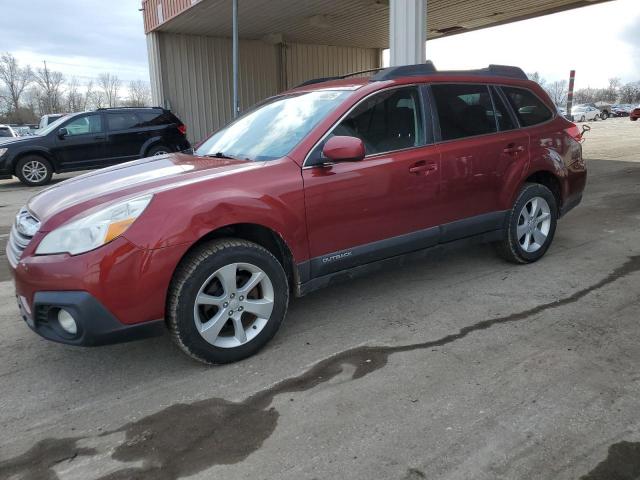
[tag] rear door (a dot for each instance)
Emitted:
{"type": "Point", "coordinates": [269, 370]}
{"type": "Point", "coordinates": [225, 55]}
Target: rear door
{"type": "Point", "coordinates": [482, 148]}
{"type": "Point", "coordinates": [384, 205]}
{"type": "Point", "coordinates": [124, 136]}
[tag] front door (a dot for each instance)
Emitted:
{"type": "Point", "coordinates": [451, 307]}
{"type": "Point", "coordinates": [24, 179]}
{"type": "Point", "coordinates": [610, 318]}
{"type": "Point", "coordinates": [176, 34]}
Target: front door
{"type": "Point", "coordinates": [83, 146]}
{"type": "Point", "coordinates": [384, 205]}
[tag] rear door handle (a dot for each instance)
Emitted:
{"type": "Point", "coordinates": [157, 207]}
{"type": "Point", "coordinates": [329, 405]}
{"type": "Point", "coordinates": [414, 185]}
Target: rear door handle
{"type": "Point", "coordinates": [423, 167]}
{"type": "Point", "coordinates": [513, 148]}
{"type": "Point", "coordinates": [98, 137]}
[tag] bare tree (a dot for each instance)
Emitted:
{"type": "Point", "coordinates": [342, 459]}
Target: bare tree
{"type": "Point", "coordinates": [536, 77]}
{"type": "Point", "coordinates": [74, 98]}
{"type": "Point", "coordinates": [50, 83]}
{"type": "Point", "coordinates": [14, 78]}
{"type": "Point", "coordinates": [88, 94]}
{"type": "Point", "coordinates": [110, 85]}
{"type": "Point", "coordinates": [558, 91]}
{"type": "Point", "coordinates": [139, 94]}
{"type": "Point", "coordinates": [630, 93]}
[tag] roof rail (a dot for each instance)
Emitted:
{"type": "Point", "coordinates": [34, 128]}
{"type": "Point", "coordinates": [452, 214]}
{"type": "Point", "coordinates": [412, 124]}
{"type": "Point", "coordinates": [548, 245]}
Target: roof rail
{"type": "Point", "coordinates": [428, 68]}
{"type": "Point", "coordinates": [122, 108]}
{"type": "Point", "coordinates": [337, 77]}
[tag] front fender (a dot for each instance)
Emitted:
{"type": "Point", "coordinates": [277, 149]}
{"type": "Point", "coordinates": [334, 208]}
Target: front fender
{"type": "Point", "coordinates": [271, 196]}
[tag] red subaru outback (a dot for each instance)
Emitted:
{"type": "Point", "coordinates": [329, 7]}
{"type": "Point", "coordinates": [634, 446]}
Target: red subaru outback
{"type": "Point", "coordinates": [325, 182]}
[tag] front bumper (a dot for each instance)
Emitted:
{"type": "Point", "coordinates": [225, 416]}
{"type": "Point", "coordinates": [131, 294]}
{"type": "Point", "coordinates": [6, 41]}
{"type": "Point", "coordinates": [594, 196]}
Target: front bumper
{"type": "Point", "coordinates": [115, 293]}
{"type": "Point", "coordinates": [95, 324]}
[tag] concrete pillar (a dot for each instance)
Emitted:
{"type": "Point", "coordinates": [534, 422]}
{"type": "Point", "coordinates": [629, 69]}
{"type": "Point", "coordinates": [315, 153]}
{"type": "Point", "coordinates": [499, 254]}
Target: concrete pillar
{"type": "Point", "coordinates": [408, 31]}
{"type": "Point", "coordinates": [155, 69]}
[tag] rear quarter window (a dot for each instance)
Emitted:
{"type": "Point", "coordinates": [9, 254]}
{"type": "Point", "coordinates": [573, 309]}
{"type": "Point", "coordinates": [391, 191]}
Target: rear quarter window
{"type": "Point", "coordinates": [528, 107]}
{"type": "Point", "coordinates": [156, 118]}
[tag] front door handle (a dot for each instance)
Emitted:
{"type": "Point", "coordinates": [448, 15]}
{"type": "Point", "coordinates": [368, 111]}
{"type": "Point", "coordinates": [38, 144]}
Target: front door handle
{"type": "Point", "coordinates": [421, 167]}
{"type": "Point", "coordinates": [512, 149]}
{"type": "Point", "coordinates": [98, 137]}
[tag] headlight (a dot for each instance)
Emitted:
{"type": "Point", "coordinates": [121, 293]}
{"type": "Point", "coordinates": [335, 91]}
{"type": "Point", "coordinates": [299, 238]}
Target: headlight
{"type": "Point", "coordinates": [3, 151]}
{"type": "Point", "coordinates": [93, 230]}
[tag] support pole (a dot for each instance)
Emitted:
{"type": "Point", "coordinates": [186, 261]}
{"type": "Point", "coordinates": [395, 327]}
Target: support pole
{"type": "Point", "coordinates": [572, 79]}
{"type": "Point", "coordinates": [236, 102]}
{"type": "Point", "coordinates": [407, 31]}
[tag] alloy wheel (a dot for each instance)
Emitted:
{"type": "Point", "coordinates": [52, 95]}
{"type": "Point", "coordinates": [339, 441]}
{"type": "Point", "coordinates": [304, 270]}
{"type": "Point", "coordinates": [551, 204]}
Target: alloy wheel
{"type": "Point", "coordinates": [233, 305]}
{"type": "Point", "coordinates": [34, 171]}
{"type": "Point", "coordinates": [534, 224]}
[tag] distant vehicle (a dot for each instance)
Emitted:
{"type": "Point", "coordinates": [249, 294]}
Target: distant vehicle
{"type": "Point", "coordinates": [619, 111]}
{"type": "Point", "coordinates": [585, 113]}
{"type": "Point", "coordinates": [23, 131]}
{"type": "Point", "coordinates": [87, 140]}
{"type": "Point", "coordinates": [7, 132]}
{"type": "Point", "coordinates": [47, 120]}
{"type": "Point", "coordinates": [605, 109]}
{"type": "Point", "coordinates": [635, 114]}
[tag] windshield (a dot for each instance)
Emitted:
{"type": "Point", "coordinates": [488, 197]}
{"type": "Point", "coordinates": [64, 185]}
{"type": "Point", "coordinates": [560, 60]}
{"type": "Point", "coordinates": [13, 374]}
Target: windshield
{"type": "Point", "coordinates": [51, 127]}
{"type": "Point", "coordinates": [271, 130]}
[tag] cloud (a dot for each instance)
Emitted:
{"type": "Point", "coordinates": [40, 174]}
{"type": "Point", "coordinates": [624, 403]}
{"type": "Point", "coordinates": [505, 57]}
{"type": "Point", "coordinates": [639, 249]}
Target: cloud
{"type": "Point", "coordinates": [89, 36]}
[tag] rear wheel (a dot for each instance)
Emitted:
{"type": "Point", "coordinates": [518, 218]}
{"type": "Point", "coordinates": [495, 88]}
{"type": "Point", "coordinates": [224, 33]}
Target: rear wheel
{"type": "Point", "coordinates": [158, 150]}
{"type": "Point", "coordinates": [34, 170]}
{"type": "Point", "coordinates": [226, 301]}
{"type": "Point", "coordinates": [531, 225]}
{"type": "Point", "coordinates": [582, 119]}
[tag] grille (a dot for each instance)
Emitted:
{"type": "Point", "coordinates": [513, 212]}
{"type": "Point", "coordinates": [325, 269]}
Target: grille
{"type": "Point", "coordinates": [22, 231]}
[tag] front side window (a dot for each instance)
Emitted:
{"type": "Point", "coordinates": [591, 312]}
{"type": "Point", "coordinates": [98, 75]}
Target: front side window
{"type": "Point", "coordinates": [385, 122]}
{"type": "Point", "coordinates": [273, 129]}
{"type": "Point", "coordinates": [528, 107]}
{"type": "Point", "coordinates": [84, 125]}
{"type": "Point", "coordinates": [463, 110]}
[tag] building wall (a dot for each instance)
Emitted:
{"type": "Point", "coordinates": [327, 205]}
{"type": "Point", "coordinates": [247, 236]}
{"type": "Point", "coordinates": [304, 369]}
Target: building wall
{"type": "Point", "coordinates": [192, 75]}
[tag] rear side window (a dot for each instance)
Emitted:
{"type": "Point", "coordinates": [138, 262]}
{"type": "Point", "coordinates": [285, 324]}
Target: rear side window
{"type": "Point", "coordinates": [528, 107]}
{"type": "Point", "coordinates": [155, 118]}
{"type": "Point", "coordinates": [122, 121]}
{"type": "Point", "coordinates": [464, 110]}
{"type": "Point", "coordinates": [5, 132]}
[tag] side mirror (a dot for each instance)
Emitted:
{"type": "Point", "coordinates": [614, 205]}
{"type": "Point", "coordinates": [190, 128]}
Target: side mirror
{"type": "Point", "coordinates": [63, 132]}
{"type": "Point", "coordinates": [344, 149]}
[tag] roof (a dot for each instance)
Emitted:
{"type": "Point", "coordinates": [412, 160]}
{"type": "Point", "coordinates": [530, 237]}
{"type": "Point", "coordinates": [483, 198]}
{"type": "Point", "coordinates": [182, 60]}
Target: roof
{"type": "Point", "coordinates": [360, 23]}
{"type": "Point", "coordinates": [423, 71]}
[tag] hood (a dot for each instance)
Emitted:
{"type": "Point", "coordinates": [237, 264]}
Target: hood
{"type": "Point", "coordinates": [8, 141]}
{"type": "Point", "coordinates": [148, 175]}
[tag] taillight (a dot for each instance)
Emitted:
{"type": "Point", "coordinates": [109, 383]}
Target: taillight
{"type": "Point", "coordinates": [574, 132]}
{"type": "Point", "coordinates": [182, 129]}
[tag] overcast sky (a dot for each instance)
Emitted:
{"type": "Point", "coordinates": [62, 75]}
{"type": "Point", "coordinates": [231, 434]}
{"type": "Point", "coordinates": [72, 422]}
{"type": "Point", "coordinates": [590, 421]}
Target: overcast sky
{"type": "Point", "coordinates": [86, 37]}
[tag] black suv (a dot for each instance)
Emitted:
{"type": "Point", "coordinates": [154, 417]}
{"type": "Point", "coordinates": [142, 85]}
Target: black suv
{"type": "Point", "coordinates": [86, 140]}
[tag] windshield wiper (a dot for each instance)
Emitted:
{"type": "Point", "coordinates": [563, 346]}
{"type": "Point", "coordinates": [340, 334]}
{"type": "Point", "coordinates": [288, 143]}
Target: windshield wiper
{"type": "Point", "coordinates": [220, 155]}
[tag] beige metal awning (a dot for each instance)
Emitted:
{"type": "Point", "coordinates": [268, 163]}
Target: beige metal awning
{"type": "Point", "coordinates": [360, 23]}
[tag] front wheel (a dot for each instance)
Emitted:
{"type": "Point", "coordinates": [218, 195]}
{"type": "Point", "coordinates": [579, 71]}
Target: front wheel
{"type": "Point", "coordinates": [227, 299]}
{"type": "Point", "coordinates": [34, 171]}
{"type": "Point", "coordinates": [531, 225]}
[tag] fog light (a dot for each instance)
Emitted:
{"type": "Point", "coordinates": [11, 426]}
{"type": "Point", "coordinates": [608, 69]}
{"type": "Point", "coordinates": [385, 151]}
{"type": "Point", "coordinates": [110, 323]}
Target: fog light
{"type": "Point", "coordinates": [67, 322]}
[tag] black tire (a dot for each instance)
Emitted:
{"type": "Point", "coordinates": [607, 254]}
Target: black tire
{"type": "Point", "coordinates": [34, 170]}
{"type": "Point", "coordinates": [582, 119]}
{"type": "Point", "coordinates": [194, 273]}
{"type": "Point", "coordinates": [158, 150]}
{"type": "Point", "coordinates": [604, 115]}
{"type": "Point", "coordinates": [509, 247]}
